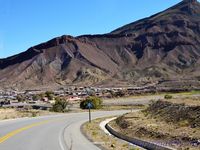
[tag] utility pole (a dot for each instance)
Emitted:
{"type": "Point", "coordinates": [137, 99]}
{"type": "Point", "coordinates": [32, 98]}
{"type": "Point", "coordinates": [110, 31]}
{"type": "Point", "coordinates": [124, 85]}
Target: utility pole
{"type": "Point", "coordinates": [89, 115]}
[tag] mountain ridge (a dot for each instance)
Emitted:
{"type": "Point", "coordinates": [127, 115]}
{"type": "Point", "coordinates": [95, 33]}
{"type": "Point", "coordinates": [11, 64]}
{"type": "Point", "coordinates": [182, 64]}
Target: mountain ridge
{"type": "Point", "coordinates": [163, 46]}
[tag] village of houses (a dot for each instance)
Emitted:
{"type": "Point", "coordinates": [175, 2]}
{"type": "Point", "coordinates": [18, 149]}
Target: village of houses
{"type": "Point", "coordinates": [38, 99]}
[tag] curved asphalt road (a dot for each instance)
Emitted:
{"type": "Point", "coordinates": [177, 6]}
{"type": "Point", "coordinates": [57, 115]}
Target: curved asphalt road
{"type": "Point", "coordinates": [58, 132]}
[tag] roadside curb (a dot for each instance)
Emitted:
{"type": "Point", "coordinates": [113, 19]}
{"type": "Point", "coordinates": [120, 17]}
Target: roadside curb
{"type": "Point", "coordinates": [141, 143]}
{"type": "Point", "coordinates": [102, 125]}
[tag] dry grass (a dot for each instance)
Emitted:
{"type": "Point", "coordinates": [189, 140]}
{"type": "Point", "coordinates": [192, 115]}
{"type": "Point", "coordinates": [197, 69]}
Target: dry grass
{"type": "Point", "coordinates": [14, 113]}
{"type": "Point", "coordinates": [93, 132]}
{"type": "Point", "coordinates": [195, 101]}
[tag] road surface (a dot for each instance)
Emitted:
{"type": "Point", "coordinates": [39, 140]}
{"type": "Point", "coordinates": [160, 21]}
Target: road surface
{"type": "Point", "coordinates": [57, 132]}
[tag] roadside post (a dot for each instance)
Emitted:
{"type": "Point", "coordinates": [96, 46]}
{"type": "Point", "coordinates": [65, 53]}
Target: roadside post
{"type": "Point", "coordinates": [89, 105]}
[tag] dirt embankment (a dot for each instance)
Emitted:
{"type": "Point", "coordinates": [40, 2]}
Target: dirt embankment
{"type": "Point", "coordinates": [175, 113]}
{"type": "Point", "coordinates": [169, 123]}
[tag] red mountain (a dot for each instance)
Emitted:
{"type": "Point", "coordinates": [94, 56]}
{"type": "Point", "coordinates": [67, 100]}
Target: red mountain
{"type": "Point", "coordinates": [165, 46]}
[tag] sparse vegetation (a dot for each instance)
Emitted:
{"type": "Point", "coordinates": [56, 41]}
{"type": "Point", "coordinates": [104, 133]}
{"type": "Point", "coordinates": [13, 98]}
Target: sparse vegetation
{"type": "Point", "coordinates": [167, 121]}
{"type": "Point", "coordinates": [10, 113]}
{"type": "Point", "coordinates": [195, 92]}
{"type": "Point", "coordinates": [167, 96]}
{"type": "Point", "coordinates": [122, 122]}
{"type": "Point", "coordinates": [34, 114]}
{"type": "Point", "coordinates": [175, 113]}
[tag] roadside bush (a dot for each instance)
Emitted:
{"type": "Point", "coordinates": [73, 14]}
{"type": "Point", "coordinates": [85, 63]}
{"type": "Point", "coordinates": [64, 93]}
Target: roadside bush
{"type": "Point", "coordinates": [34, 114]}
{"type": "Point", "coordinates": [95, 101]}
{"type": "Point", "coordinates": [60, 105]}
{"type": "Point", "coordinates": [36, 97]}
{"type": "Point", "coordinates": [184, 123]}
{"type": "Point", "coordinates": [168, 96]}
{"type": "Point", "coordinates": [120, 93]}
{"type": "Point", "coordinates": [21, 98]}
{"type": "Point", "coordinates": [42, 95]}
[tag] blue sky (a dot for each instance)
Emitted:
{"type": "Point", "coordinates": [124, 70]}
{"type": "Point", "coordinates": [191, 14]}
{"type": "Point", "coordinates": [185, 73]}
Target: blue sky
{"type": "Point", "coordinates": [25, 23]}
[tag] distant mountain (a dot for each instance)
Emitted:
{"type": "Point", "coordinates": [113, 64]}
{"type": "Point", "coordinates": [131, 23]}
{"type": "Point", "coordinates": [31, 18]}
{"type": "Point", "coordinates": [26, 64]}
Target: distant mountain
{"type": "Point", "coordinates": [165, 46]}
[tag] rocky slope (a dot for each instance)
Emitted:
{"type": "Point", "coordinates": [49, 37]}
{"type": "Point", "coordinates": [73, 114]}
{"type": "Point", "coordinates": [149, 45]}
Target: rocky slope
{"type": "Point", "coordinates": [172, 123]}
{"type": "Point", "coordinates": [165, 46]}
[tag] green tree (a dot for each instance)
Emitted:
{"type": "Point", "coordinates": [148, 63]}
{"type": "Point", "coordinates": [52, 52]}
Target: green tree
{"type": "Point", "coordinates": [36, 97]}
{"type": "Point", "coordinates": [42, 95]}
{"type": "Point", "coordinates": [60, 105]}
{"type": "Point", "coordinates": [21, 98]}
{"type": "Point", "coordinates": [96, 102]}
{"type": "Point", "coordinates": [49, 95]}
